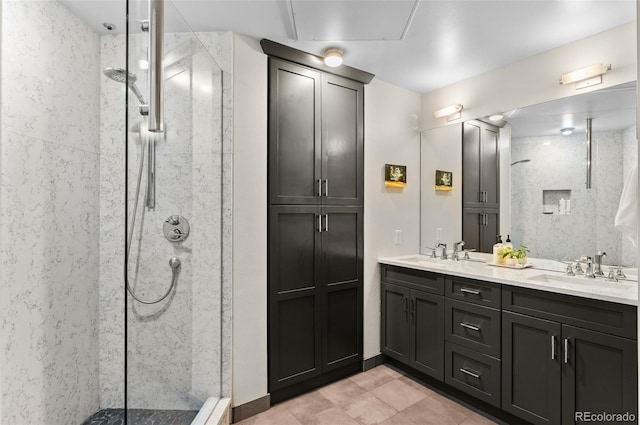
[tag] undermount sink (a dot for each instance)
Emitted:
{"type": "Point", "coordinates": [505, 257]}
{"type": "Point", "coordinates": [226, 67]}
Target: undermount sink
{"type": "Point", "coordinates": [555, 279]}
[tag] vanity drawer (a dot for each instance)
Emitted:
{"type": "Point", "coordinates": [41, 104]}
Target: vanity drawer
{"type": "Point", "coordinates": [474, 373]}
{"type": "Point", "coordinates": [602, 316]}
{"type": "Point", "coordinates": [473, 291]}
{"type": "Point", "coordinates": [473, 326]}
{"type": "Point", "coordinates": [415, 279]}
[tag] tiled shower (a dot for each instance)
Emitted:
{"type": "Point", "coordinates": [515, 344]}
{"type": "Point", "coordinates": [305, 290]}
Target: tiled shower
{"type": "Point", "coordinates": [72, 340]}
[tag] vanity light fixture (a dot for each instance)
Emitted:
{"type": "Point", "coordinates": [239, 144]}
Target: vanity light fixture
{"type": "Point", "coordinates": [451, 112]}
{"type": "Point", "coordinates": [333, 57]}
{"type": "Point", "coordinates": [585, 77]}
{"type": "Point", "coordinates": [496, 117]}
{"type": "Point", "coordinates": [567, 131]}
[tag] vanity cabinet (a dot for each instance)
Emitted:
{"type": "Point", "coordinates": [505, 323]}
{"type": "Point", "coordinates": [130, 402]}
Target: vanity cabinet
{"type": "Point", "coordinates": [412, 329]}
{"type": "Point", "coordinates": [480, 185]}
{"type": "Point", "coordinates": [558, 360]}
{"type": "Point", "coordinates": [472, 338]}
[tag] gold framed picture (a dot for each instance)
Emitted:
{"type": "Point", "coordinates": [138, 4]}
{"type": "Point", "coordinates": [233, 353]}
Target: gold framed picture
{"type": "Point", "coordinates": [395, 175]}
{"type": "Point", "coordinates": [444, 180]}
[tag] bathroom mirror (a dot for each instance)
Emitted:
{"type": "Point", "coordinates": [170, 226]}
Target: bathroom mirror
{"type": "Point", "coordinates": [544, 201]}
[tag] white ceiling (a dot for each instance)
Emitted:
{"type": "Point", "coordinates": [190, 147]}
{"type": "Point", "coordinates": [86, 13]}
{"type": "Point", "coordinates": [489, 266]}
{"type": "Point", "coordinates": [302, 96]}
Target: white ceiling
{"type": "Point", "coordinates": [420, 45]}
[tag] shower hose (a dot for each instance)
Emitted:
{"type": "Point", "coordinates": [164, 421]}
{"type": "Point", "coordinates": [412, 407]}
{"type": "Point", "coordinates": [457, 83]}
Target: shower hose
{"type": "Point", "coordinates": [174, 263]}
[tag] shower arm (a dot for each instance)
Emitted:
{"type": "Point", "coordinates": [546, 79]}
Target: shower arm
{"type": "Point", "coordinates": [156, 70]}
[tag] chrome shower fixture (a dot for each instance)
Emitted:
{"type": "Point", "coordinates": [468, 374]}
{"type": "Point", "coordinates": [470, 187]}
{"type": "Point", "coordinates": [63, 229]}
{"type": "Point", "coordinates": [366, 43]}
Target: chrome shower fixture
{"type": "Point", "coordinates": [121, 76]}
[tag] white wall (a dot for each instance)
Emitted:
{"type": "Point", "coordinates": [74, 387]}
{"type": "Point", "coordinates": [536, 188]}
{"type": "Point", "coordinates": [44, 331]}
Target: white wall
{"type": "Point", "coordinates": [535, 80]}
{"type": "Point", "coordinates": [441, 149]}
{"type": "Point", "coordinates": [390, 137]}
{"type": "Point", "coordinates": [249, 221]}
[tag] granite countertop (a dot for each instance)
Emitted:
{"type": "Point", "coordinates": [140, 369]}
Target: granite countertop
{"type": "Point", "coordinates": [545, 275]}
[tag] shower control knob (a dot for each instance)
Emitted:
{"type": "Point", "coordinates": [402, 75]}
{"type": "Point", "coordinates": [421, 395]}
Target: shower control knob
{"type": "Point", "coordinates": [174, 263]}
{"type": "Point", "coordinates": [176, 228]}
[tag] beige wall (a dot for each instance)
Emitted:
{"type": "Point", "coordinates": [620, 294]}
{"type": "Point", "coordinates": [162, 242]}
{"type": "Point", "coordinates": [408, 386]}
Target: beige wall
{"type": "Point", "coordinates": [535, 80]}
{"type": "Point", "coordinates": [390, 137]}
{"type": "Point", "coordinates": [249, 221]}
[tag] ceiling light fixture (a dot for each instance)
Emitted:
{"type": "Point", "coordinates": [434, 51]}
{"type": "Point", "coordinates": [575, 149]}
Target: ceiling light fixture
{"type": "Point", "coordinates": [332, 57]}
{"type": "Point", "coordinates": [451, 112]}
{"type": "Point", "coordinates": [496, 117]}
{"type": "Point", "coordinates": [567, 131]}
{"type": "Point", "coordinates": [585, 77]}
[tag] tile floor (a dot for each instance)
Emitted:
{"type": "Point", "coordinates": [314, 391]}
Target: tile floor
{"type": "Point", "coordinates": [380, 396]}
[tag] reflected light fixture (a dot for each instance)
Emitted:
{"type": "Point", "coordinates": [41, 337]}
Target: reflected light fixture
{"type": "Point", "coordinates": [567, 131]}
{"type": "Point", "coordinates": [496, 117]}
{"type": "Point", "coordinates": [332, 57]}
{"type": "Point", "coordinates": [585, 77]}
{"type": "Point", "coordinates": [451, 112]}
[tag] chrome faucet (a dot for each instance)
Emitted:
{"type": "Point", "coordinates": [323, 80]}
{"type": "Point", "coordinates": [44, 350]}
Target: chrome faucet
{"type": "Point", "coordinates": [457, 248]}
{"type": "Point", "coordinates": [444, 250]}
{"type": "Point", "coordinates": [597, 265]}
{"type": "Point", "coordinates": [588, 273]}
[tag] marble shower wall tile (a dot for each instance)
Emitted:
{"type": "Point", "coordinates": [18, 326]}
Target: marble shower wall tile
{"type": "Point", "coordinates": [561, 165]}
{"type": "Point", "coordinates": [175, 349]}
{"type": "Point", "coordinates": [48, 215]}
{"type": "Point", "coordinates": [49, 300]}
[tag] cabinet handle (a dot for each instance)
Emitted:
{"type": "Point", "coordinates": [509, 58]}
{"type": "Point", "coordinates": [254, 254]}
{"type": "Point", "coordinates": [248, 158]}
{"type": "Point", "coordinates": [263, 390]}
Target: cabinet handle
{"type": "Point", "coordinates": [485, 219]}
{"type": "Point", "coordinates": [485, 197]}
{"type": "Point", "coordinates": [319, 223]}
{"type": "Point", "coordinates": [326, 222]}
{"type": "Point", "coordinates": [566, 350]}
{"type": "Point", "coordinates": [326, 187]}
{"type": "Point", "coordinates": [553, 347]}
{"type": "Point", "coordinates": [319, 187]}
{"type": "Point", "coordinates": [470, 326]}
{"type": "Point", "coordinates": [480, 219]}
{"type": "Point", "coordinates": [412, 307]}
{"type": "Point", "coordinates": [470, 291]}
{"type": "Point", "coordinates": [470, 373]}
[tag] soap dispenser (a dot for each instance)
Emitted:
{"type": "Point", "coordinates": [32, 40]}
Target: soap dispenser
{"type": "Point", "coordinates": [508, 242]}
{"type": "Point", "coordinates": [497, 250]}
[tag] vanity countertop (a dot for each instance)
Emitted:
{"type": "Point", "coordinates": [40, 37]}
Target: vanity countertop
{"type": "Point", "coordinates": [545, 275]}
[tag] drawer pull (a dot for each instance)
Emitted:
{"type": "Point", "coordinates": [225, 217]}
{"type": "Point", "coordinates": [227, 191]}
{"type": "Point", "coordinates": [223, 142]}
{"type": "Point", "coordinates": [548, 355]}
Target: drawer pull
{"type": "Point", "coordinates": [470, 291]}
{"type": "Point", "coordinates": [553, 347]}
{"type": "Point", "coordinates": [470, 373]}
{"type": "Point", "coordinates": [566, 350]}
{"type": "Point", "coordinates": [470, 326]}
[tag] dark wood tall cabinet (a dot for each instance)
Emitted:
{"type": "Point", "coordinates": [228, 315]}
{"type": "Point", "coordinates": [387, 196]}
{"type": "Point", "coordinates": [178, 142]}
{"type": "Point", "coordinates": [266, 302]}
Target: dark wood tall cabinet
{"type": "Point", "coordinates": [316, 184]}
{"type": "Point", "coordinates": [480, 185]}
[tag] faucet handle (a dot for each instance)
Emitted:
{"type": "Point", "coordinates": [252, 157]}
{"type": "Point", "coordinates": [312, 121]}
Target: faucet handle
{"type": "Point", "coordinates": [611, 277]}
{"type": "Point", "coordinates": [586, 259]}
{"type": "Point", "coordinates": [570, 271]}
{"type": "Point", "coordinates": [620, 274]}
{"type": "Point", "coordinates": [433, 251]}
{"type": "Point", "coordinates": [578, 268]}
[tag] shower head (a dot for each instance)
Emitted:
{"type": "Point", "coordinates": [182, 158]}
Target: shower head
{"type": "Point", "coordinates": [129, 78]}
{"type": "Point", "coordinates": [520, 162]}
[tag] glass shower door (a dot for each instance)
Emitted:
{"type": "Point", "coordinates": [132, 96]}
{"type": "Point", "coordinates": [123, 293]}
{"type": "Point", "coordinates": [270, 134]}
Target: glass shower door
{"type": "Point", "coordinates": [174, 197]}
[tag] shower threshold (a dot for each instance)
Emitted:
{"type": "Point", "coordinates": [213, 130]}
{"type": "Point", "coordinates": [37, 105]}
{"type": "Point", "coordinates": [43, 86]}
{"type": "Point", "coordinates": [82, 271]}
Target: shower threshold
{"type": "Point", "coordinates": [142, 417]}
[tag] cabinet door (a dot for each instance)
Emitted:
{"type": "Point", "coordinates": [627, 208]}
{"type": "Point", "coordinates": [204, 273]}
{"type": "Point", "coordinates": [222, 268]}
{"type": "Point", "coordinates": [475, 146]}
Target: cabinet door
{"type": "Point", "coordinates": [395, 331]}
{"type": "Point", "coordinates": [531, 375]}
{"type": "Point", "coordinates": [472, 222]}
{"type": "Point", "coordinates": [342, 251]}
{"type": "Point", "coordinates": [342, 141]}
{"type": "Point", "coordinates": [490, 182]}
{"type": "Point", "coordinates": [294, 295]}
{"type": "Point", "coordinates": [471, 154]}
{"type": "Point", "coordinates": [427, 333]}
{"type": "Point", "coordinates": [489, 230]}
{"type": "Point", "coordinates": [294, 133]}
{"type": "Point", "coordinates": [600, 374]}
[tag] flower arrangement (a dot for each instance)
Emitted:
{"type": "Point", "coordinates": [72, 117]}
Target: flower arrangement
{"type": "Point", "coordinates": [514, 256]}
